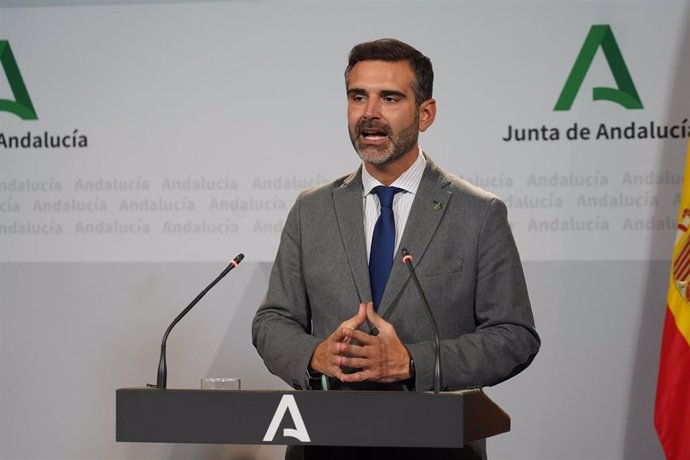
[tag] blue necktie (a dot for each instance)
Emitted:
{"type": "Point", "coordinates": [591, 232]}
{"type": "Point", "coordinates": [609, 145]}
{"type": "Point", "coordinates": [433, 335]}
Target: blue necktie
{"type": "Point", "coordinates": [382, 244]}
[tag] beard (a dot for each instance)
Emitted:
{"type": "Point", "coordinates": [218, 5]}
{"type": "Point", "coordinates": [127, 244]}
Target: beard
{"type": "Point", "coordinates": [399, 143]}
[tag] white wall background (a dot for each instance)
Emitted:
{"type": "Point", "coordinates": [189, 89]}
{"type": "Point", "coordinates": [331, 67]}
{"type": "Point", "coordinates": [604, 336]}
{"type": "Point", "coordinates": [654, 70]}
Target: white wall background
{"type": "Point", "coordinates": [250, 96]}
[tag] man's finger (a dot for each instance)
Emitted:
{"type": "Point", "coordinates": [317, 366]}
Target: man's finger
{"type": "Point", "coordinates": [377, 323]}
{"type": "Point", "coordinates": [356, 351]}
{"type": "Point", "coordinates": [324, 359]}
{"type": "Point", "coordinates": [357, 320]}
{"type": "Point", "coordinates": [373, 317]}
{"type": "Point", "coordinates": [355, 363]}
{"type": "Point", "coordinates": [339, 335]}
{"type": "Point", "coordinates": [358, 376]}
{"type": "Point", "coordinates": [342, 335]}
{"type": "Point", "coordinates": [362, 337]}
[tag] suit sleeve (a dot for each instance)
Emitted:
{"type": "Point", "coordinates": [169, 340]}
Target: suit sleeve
{"type": "Point", "coordinates": [281, 327]}
{"type": "Point", "coordinates": [504, 341]}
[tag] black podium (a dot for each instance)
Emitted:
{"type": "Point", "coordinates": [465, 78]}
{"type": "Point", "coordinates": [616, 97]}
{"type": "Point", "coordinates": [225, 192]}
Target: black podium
{"type": "Point", "coordinates": [326, 418]}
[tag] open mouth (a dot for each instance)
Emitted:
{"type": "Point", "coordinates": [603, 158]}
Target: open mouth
{"type": "Point", "coordinates": [373, 133]}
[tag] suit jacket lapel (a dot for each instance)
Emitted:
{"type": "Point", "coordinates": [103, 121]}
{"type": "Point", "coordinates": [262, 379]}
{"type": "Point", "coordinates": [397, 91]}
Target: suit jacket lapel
{"type": "Point", "coordinates": [428, 208]}
{"type": "Point", "coordinates": [347, 200]}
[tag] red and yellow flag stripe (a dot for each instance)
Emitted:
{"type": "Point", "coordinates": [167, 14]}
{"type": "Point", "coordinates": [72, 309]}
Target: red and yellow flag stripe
{"type": "Point", "coordinates": [672, 411]}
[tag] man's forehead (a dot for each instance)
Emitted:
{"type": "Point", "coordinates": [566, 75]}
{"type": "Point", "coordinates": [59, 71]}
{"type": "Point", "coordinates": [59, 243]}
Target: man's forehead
{"type": "Point", "coordinates": [376, 73]}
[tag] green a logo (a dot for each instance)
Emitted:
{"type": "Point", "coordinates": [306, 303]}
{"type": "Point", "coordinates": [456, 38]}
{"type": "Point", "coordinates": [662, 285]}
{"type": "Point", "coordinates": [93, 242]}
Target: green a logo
{"type": "Point", "coordinates": [625, 94]}
{"type": "Point", "coordinates": [21, 105]}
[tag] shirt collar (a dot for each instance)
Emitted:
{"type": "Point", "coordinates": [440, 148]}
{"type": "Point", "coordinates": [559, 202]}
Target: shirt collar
{"type": "Point", "coordinates": [408, 181]}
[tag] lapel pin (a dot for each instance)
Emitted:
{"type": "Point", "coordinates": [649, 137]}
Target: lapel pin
{"type": "Point", "coordinates": [437, 205]}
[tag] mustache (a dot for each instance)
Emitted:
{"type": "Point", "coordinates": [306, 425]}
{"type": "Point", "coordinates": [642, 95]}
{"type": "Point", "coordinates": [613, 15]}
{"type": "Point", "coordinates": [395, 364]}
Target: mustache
{"type": "Point", "coordinates": [372, 125]}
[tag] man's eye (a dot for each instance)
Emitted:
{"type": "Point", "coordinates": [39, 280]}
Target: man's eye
{"type": "Point", "coordinates": [390, 99]}
{"type": "Point", "coordinates": [358, 98]}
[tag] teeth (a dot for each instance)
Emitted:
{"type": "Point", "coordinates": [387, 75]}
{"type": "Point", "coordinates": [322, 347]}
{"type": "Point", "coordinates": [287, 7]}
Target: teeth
{"type": "Point", "coordinates": [374, 137]}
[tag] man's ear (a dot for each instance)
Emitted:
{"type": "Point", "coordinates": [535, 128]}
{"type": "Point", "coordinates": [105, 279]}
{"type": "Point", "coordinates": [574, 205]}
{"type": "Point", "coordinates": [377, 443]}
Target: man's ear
{"type": "Point", "coordinates": [427, 114]}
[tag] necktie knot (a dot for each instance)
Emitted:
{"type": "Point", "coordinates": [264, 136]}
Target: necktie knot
{"type": "Point", "coordinates": [386, 195]}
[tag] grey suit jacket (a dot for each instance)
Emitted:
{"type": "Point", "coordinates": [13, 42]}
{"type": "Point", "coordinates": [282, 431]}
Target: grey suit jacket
{"type": "Point", "coordinates": [466, 261]}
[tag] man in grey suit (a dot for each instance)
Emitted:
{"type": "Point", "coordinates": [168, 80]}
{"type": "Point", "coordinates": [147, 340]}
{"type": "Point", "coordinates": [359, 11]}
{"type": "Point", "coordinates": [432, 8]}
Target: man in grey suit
{"type": "Point", "coordinates": [318, 316]}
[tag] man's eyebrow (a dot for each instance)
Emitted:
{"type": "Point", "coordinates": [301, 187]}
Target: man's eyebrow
{"type": "Point", "coordinates": [382, 93]}
{"type": "Point", "coordinates": [357, 91]}
{"type": "Point", "coordinates": [391, 92]}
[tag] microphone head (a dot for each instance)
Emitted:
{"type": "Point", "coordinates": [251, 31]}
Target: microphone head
{"type": "Point", "coordinates": [235, 262]}
{"type": "Point", "coordinates": [406, 256]}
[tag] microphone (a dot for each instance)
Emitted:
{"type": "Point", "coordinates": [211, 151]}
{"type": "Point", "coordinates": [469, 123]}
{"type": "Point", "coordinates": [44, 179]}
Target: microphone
{"type": "Point", "coordinates": [407, 260]}
{"type": "Point", "coordinates": [162, 367]}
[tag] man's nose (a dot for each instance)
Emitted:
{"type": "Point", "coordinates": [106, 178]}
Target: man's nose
{"type": "Point", "coordinates": [372, 109]}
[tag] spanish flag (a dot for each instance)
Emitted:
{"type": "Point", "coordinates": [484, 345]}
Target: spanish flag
{"type": "Point", "coordinates": [672, 411]}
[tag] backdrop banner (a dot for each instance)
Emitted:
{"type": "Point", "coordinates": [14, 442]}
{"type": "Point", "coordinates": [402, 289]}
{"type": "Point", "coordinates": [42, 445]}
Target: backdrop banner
{"type": "Point", "coordinates": [143, 145]}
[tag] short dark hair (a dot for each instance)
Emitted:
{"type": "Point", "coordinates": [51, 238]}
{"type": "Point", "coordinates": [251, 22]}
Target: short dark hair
{"type": "Point", "coordinates": [392, 50]}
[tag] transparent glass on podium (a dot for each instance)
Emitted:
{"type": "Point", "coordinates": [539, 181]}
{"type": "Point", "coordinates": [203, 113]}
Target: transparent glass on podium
{"type": "Point", "coordinates": [221, 383]}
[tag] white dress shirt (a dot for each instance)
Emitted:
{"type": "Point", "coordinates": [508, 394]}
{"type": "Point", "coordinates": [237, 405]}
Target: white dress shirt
{"type": "Point", "coordinates": [402, 202]}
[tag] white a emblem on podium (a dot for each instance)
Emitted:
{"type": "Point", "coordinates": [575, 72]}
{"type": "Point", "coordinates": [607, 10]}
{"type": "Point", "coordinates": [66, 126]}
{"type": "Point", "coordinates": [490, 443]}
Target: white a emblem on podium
{"type": "Point", "coordinates": [287, 404]}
